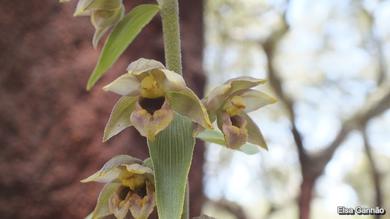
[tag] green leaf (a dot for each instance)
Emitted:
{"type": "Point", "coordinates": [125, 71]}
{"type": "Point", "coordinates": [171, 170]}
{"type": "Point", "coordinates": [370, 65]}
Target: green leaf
{"type": "Point", "coordinates": [121, 37]}
{"type": "Point", "coordinates": [171, 154]}
{"type": "Point", "coordinates": [216, 137]}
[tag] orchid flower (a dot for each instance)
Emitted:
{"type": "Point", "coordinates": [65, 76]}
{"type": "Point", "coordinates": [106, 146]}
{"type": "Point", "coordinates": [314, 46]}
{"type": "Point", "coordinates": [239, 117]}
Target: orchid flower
{"type": "Point", "coordinates": [229, 105]}
{"type": "Point", "coordinates": [129, 188]}
{"type": "Point", "coordinates": [152, 95]}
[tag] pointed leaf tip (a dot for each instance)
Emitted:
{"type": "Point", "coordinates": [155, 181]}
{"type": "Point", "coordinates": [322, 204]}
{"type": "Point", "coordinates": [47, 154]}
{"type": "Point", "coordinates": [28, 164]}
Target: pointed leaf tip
{"type": "Point", "coordinates": [120, 38]}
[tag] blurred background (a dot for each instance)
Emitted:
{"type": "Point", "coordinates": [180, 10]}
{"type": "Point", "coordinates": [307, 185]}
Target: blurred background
{"type": "Point", "coordinates": [329, 134]}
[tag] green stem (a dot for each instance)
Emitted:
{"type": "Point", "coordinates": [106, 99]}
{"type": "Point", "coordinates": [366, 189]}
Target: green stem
{"type": "Point", "coordinates": [186, 207]}
{"type": "Point", "coordinates": [171, 34]}
{"type": "Point", "coordinates": [172, 49]}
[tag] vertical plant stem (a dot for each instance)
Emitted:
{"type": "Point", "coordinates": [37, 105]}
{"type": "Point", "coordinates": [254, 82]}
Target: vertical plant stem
{"type": "Point", "coordinates": [186, 207]}
{"type": "Point", "coordinates": [172, 50]}
{"type": "Point", "coordinates": [171, 34]}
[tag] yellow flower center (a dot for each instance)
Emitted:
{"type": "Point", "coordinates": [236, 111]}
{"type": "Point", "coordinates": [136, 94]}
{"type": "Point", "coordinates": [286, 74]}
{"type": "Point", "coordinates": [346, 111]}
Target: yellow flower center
{"type": "Point", "coordinates": [134, 181]}
{"type": "Point", "coordinates": [235, 106]}
{"type": "Point", "coordinates": [150, 88]}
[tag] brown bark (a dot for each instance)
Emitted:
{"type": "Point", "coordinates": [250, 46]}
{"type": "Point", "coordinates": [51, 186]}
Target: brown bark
{"type": "Point", "coordinates": [51, 128]}
{"type": "Point", "coordinates": [191, 16]}
{"type": "Point", "coordinates": [305, 197]}
{"type": "Point", "coordinates": [233, 208]}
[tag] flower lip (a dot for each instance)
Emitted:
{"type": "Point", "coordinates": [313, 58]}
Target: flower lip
{"type": "Point", "coordinates": [141, 192]}
{"type": "Point", "coordinates": [237, 121]}
{"type": "Point", "coordinates": [123, 191]}
{"type": "Point", "coordinates": [151, 104]}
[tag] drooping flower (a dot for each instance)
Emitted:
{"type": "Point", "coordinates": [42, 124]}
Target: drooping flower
{"type": "Point", "coordinates": [151, 96]}
{"type": "Point", "coordinates": [104, 15]}
{"type": "Point", "coordinates": [229, 105]}
{"type": "Point", "coordinates": [129, 187]}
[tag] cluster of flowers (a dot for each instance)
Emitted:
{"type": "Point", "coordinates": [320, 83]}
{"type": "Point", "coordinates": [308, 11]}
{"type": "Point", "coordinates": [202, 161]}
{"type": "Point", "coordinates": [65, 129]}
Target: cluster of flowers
{"type": "Point", "coordinates": [151, 96]}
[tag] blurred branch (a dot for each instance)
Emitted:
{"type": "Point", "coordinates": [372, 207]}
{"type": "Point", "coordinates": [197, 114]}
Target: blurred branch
{"type": "Point", "coordinates": [274, 208]}
{"type": "Point", "coordinates": [231, 207]}
{"type": "Point", "coordinates": [276, 82]}
{"type": "Point", "coordinates": [376, 178]}
{"type": "Point", "coordinates": [312, 165]}
{"type": "Point", "coordinates": [378, 103]}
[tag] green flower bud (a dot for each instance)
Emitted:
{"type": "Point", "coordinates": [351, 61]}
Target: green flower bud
{"type": "Point", "coordinates": [103, 20]}
{"type": "Point", "coordinates": [104, 15]}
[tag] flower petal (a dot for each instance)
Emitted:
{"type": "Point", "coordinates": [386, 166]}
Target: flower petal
{"type": "Point", "coordinates": [220, 94]}
{"type": "Point", "coordinates": [150, 125]}
{"type": "Point", "coordinates": [124, 85]}
{"type": "Point", "coordinates": [120, 117]}
{"type": "Point", "coordinates": [243, 83]}
{"type": "Point", "coordinates": [136, 168]}
{"type": "Point", "coordinates": [110, 171]}
{"type": "Point", "coordinates": [143, 65]}
{"type": "Point", "coordinates": [216, 98]}
{"type": "Point", "coordinates": [171, 80]}
{"type": "Point", "coordinates": [102, 207]}
{"type": "Point", "coordinates": [254, 133]}
{"type": "Point", "coordinates": [254, 99]}
{"type": "Point", "coordinates": [118, 206]}
{"type": "Point", "coordinates": [186, 103]}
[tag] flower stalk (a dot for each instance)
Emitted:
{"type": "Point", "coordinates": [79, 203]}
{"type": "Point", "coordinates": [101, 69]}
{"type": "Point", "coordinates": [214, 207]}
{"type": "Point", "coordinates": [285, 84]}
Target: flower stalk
{"type": "Point", "coordinates": [172, 48]}
{"type": "Point", "coordinates": [171, 34]}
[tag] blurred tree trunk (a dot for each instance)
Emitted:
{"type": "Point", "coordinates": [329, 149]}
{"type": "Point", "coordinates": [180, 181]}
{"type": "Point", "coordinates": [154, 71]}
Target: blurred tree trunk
{"type": "Point", "coordinates": [51, 128]}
